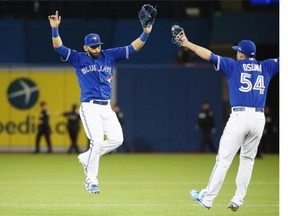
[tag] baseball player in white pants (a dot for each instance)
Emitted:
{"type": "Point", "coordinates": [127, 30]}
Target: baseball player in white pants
{"type": "Point", "coordinates": [243, 130]}
{"type": "Point", "coordinates": [248, 81]}
{"type": "Point", "coordinates": [101, 118]}
{"type": "Point", "coordinates": [94, 69]}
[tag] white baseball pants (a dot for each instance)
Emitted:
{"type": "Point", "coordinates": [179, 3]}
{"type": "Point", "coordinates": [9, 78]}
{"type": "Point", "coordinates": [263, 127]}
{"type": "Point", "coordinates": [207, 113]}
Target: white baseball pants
{"type": "Point", "coordinates": [243, 130]}
{"type": "Point", "coordinates": [98, 120]}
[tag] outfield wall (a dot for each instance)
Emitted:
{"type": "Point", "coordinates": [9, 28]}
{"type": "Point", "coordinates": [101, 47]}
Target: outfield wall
{"type": "Point", "coordinates": [19, 115]}
{"type": "Point", "coordinates": [160, 104]}
{"type": "Point", "coordinates": [32, 38]}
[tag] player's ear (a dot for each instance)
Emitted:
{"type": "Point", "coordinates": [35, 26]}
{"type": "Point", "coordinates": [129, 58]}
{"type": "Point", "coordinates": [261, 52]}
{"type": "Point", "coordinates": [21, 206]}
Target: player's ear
{"type": "Point", "coordinates": [85, 48]}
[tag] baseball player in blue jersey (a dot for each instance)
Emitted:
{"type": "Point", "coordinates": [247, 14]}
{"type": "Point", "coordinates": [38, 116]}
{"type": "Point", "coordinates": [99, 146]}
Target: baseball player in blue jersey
{"type": "Point", "coordinates": [248, 81]}
{"type": "Point", "coordinates": [94, 70]}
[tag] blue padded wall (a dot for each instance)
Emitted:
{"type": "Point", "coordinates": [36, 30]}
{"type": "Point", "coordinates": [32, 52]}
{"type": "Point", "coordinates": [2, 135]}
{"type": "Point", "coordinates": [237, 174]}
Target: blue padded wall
{"type": "Point", "coordinates": [29, 41]}
{"type": "Point", "coordinates": [12, 41]}
{"type": "Point", "coordinates": [161, 105]}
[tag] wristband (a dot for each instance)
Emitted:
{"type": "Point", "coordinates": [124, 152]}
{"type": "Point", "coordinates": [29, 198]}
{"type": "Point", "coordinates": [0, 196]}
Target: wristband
{"type": "Point", "coordinates": [55, 32]}
{"type": "Point", "coordinates": [143, 37]}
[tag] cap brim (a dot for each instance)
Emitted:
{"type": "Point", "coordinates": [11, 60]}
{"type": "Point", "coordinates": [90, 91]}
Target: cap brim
{"type": "Point", "coordinates": [236, 48]}
{"type": "Point", "coordinates": [94, 44]}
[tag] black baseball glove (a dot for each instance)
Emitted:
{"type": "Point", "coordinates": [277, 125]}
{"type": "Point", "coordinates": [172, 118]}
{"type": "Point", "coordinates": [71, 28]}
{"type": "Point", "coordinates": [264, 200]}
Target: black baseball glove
{"type": "Point", "coordinates": [178, 35]}
{"type": "Point", "coordinates": [147, 15]}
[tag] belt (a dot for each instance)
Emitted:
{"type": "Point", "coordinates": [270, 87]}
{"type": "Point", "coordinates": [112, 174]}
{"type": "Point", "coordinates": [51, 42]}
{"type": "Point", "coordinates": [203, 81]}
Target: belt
{"type": "Point", "coordinates": [239, 109]}
{"type": "Point", "coordinates": [100, 102]}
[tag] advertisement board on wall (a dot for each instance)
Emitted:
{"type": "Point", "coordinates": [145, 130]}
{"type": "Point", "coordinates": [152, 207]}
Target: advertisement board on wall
{"type": "Point", "coordinates": [21, 92]}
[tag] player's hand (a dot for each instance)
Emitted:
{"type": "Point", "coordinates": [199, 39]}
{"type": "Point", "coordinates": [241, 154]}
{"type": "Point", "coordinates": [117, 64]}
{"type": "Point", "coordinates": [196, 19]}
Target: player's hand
{"type": "Point", "coordinates": [147, 29]}
{"type": "Point", "coordinates": [147, 15]}
{"type": "Point", "coordinates": [178, 36]}
{"type": "Point", "coordinates": [54, 20]}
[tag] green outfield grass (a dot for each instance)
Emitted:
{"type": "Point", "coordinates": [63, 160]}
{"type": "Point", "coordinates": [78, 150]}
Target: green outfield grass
{"type": "Point", "coordinates": [130, 184]}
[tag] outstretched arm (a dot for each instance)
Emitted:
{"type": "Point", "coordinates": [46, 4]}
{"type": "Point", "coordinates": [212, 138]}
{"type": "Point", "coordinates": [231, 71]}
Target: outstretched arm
{"type": "Point", "coordinates": [140, 41]}
{"type": "Point", "coordinates": [179, 38]}
{"type": "Point", "coordinates": [63, 51]}
{"type": "Point", "coordinates": [146, 16]}
{"type": "Point", "coordinates": [54, 23]}
{"type": "Point", "coordinates": [198, 50]}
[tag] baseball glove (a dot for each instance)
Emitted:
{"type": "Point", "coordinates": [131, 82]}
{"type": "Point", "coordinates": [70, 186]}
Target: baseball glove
{"type": "Point", "coordinates": [178, 35]}
{"type": "Point", "coordinates": [147, 15]}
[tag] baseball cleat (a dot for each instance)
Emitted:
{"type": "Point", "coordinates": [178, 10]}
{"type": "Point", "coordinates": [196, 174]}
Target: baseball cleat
{"type": "Point", "coordinates": [233, 206]}
{"type": "Point", "coordinates": [92, 188]}
{"type": "Point", "coordinates": [195, 196]}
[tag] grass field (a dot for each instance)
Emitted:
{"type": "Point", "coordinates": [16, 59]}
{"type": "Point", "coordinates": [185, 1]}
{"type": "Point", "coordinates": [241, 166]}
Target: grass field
{"type": "Point", "coordinates": [130, 184]}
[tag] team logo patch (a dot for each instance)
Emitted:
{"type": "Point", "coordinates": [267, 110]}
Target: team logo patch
{"type": "Point", "coordinates": [22, 93]}
{"type": "Point", "coordinates": [94, 38]}
{"type": "Point", "coordinates": [110, 79]}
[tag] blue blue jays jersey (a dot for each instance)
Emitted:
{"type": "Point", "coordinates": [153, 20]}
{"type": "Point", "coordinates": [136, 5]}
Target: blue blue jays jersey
{"type": "Point", "coordinates": [248, 79]}
{"type": "Point", "coordinates": [95, 75]}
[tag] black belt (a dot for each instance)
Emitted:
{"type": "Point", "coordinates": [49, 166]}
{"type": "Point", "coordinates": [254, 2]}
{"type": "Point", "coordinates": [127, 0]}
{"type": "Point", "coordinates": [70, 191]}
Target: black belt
{"type": "Point", "coordinates": [239, 109]}
{"type": "Point", "coordinates": [100, 102]}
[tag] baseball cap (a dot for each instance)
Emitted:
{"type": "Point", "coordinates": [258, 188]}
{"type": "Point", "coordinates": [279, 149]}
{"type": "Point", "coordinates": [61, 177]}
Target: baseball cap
{"type": "Point", "coordinates": [246, 47]}
{"type": "Point", "coordinates": [92, 39]}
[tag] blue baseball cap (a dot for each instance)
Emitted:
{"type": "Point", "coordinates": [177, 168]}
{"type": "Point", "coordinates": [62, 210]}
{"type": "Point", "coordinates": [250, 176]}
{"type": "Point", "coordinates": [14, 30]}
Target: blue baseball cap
{"type": "Point", "coordinates": [246, 47]}
{"type": "Point", "coordinates": [92, 39]}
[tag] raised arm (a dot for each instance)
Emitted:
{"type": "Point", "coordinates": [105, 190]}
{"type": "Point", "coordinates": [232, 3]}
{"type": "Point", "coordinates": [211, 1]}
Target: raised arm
{"type": "Point", "coordinates": [140, 41]}
{"type": "Point", "coordinates": [179, 38]}
{"type": "Point", "coordinates": [146, 16]}
{"type": "Point", "coordinates": [198, 50]}
{"type": "Point", "coordinates": [54, 23]}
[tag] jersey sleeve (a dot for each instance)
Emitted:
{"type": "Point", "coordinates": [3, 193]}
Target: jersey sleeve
{"type": "Point", "coordinates": [222, 64]}
{"type": "Point", "coordinates": [273, 65]}
{"type": "Point", "coordinates": [118, 53]}
{"type": "Point", "coordinates": [73, 58]}
{"type": "Point", "coordinates": [67, 55]}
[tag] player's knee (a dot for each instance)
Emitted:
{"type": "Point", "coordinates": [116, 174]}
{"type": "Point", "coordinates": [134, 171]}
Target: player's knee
{"type": "Point", "coordinates": [120, 140]}
{"type": "Point", "coordinates": [117, 140]}
{"type": "Point", "coordinates": [224, 161]}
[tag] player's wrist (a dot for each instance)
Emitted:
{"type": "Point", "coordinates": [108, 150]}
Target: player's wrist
{"type": "Point", "coordinates": [144, 36]}
{"type": "Point", "coordinates": [183, 37]}
{"type": "Point", "coordinates": [55, 32]}
{"type": "Point", "coordinates": [185, 43]}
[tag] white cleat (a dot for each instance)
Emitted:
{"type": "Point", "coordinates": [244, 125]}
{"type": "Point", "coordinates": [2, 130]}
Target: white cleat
{"type": "Point", "coordinates": [92, 188]}
{"type": "Point", "coordinates": [195, 196]}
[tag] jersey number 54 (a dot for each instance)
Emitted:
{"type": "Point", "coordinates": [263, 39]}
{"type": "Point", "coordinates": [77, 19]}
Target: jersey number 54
{"type": "Point", "coordinates": [248, 85]}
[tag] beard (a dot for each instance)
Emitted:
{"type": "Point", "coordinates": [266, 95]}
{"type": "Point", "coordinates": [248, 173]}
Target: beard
{"type": "Point", "coordinates": [93, 54]}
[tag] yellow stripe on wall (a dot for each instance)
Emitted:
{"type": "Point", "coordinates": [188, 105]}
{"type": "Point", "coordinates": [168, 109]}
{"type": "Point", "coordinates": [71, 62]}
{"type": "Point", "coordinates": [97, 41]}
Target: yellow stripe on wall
{"type": "Point", "coordinates": [18, 127]}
